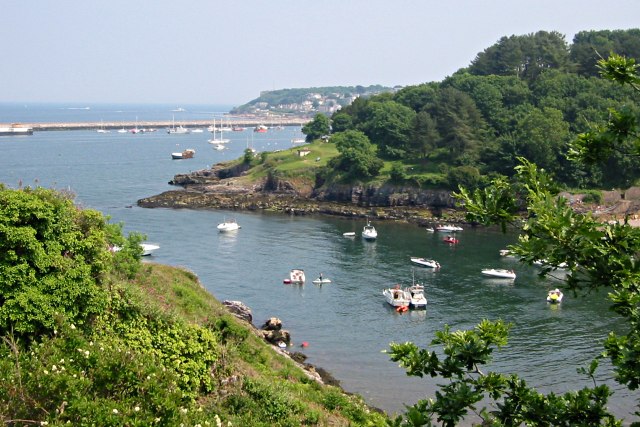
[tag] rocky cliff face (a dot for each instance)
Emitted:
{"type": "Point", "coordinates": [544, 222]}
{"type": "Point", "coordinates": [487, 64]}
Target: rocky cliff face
{"type": "Point", "coordinates": [224, 188]}
{"type": "Point", "coordinates": [386, 195]}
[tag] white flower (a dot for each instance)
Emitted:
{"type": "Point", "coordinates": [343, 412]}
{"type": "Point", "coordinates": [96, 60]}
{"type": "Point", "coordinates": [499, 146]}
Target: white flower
{"type": "Point", "coordinates": [73, 326]}
{"type": "Point", "coordinates": [61, 361]}
{"type": "Point", "coordinates": [137, 408]}
{"type": "Point", "coordinates": [198, 425]}
{"type": "Point", "coordinates": [183, 410]}
{"type": "Point", "coordinates": [46, 372]}
{"type": "Point", "coordinates": [44, 423]}
{"type": "Point", "coordinates": [157, 420]}
{"type": "Point", "coordinates": [115, 411]}
{"type": "Point", "coordinates": [54, 368]}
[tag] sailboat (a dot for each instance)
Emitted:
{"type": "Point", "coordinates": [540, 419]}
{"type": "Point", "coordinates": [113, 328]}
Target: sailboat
{"type": "Point", "coordinates": [215, 140]}
{"type": "Point", "coordinates": [177, 130]}
{"type": "Point", "coordinates": [102, 129]}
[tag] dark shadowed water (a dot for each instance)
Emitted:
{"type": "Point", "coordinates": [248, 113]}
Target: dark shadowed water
{"type": "Point", "coordinates": [346, 323]}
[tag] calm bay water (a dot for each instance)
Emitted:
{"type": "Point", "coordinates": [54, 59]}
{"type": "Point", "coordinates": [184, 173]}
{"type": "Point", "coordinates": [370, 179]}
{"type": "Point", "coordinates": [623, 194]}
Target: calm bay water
{"type": "Point", "coordinates": [346, 323]}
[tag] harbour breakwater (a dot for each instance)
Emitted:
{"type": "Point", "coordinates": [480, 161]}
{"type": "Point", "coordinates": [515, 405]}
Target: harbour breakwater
{"type": "Point", "coordinates": [162, 124]}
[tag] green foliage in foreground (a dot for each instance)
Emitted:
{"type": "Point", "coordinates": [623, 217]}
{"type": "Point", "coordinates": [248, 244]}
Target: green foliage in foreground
{"type": "Point", "coordinates": [90, 336]}
{"type": "Point", "coordinates": [598, 256]}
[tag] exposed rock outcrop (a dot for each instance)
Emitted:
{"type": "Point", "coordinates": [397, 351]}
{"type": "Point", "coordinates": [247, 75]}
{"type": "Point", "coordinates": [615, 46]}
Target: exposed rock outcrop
{"type": "Point", "coordinates": [225, 187]}
{"type": "Point", "coordinates": [239, 309]}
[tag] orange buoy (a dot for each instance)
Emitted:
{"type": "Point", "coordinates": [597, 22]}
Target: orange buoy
{"type": "Point", "coordinates": [304, 344]}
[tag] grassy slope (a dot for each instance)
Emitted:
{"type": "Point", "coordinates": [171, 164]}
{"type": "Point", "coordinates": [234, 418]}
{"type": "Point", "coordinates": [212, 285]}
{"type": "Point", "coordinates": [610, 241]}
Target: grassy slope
{"type": "Point", "coordinates": [256, 376]}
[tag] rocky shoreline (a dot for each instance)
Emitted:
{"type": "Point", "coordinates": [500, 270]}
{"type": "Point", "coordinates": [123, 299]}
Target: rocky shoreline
{"type": "Point", "coordinates": [224, 187]}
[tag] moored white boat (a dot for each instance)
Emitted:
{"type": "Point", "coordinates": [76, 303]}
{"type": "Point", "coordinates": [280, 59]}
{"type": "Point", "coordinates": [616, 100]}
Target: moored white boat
{"type": "Point", "coordinates": [16, 129]}
{"type": "Point", "coordinates": [396, 297]}
{"type": "Point", "coordinates": [425, 262]}
{"type": "Point", "coordinates": [369, 232]}
{"type": "Point", "coordinates": [506, 253]}
{"type": "Point", "coordinates": [349, 234]}
{"type": "Point", "coordinates": [296, 276]}
{"type": "Point", "coordinates": [417, 299]}
{"type": "Point", "coordinates": [555, 296]}
{"type": "Point", "coordinates": [186, 154]}
{"type": "Point", "coordinates": [148, 248]}
{"type": "Point", "coordinates": [448, 228]}
{"type": "Point", "coordinates": [230, 225]}
{"type": "Point", "coordinates": [499, 272]}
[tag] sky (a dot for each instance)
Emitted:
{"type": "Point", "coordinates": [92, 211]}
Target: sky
{"type": "Point", "coordinates": [213, 52]}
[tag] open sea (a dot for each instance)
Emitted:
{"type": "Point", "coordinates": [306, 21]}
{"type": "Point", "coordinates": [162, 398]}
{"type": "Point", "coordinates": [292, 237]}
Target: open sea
{"type": "Point", "coordinates": [347, 323]}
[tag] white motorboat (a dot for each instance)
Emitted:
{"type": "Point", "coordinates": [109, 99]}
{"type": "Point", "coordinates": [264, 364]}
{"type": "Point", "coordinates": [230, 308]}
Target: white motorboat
{"type": "Point", "coordinates": [369, 232]}
{"type": "Point", "coordinates": [417, 299]}
{"type": "Point", "coordinates": [349, 234]}
{"type": "Point", "coordinates": [499, 273]}
{"type": "Point", "coordinates": [16, 129]}
{"type": "Point", "coordinates": [448, 228]}
{"type": "Point", "coordinates": [555, 296]}
{"type": "Point", "coordinates": [296, 277]}
{"type": "Point", "coordinates": [429, 230]}
{"type": "Point", "coordinates": [425, 262]}
{"type": "Point", "coordinates": [230, 225]}
{"type": "Point", "coordinates": [544, 262]}
{"type": "Point", "coordinates": [148, 248]}
{"type": "Point", "coordinates": [506, 253]}
{"type": "Point", "coordinates": [396, 297]}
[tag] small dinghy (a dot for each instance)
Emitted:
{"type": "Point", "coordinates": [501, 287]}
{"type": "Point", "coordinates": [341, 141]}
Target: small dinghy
{"type": "Point", "coordinates": [555, 296]}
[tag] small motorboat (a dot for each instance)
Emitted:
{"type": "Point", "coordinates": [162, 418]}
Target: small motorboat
{"type": "Point", "coordinates": [397, 297]}
{"type": "Point", "coordinates": [416, 296]}
{"type": "Point", "coordinates": [186, 154]}
{"type": "Point", "coordinates": [448, 228]}
{"type": "Point", "coordinates": [369, 232]}
{"type": "Point", "coordinates": [230, 225]}
{"type": "Point", "coordinates": [451, 240]}
{"type": "Point", "coordinates": [148, 248]}
{"type": "Point", "coordinates": [499, 273]}
{"type": "Point", "coordinates": [555, 296]}
{"type": "Point", "coordinates": [429, 230]}
{"type": "Point", "coordinates": [349, 234]}
{"type": "Point", "coordinates": [296, 277]}
{"type": "Point", "coordinates": [425, 262]}
{"type": "Point", "coordinates": [506, 253]}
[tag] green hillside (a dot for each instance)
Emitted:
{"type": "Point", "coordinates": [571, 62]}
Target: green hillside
{"type": "Point", "coordinates": [92, 336]}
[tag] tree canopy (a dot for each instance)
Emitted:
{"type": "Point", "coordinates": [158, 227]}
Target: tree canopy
{"type": "Point", "coordinates": [597, 255]}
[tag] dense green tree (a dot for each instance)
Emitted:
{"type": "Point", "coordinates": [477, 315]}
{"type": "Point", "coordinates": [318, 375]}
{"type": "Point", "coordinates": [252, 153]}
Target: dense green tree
{"type": "Point", "coordinates": [597, 255]}
{"type": "Point", "coordinates": [357, 158]}
{"type": "Point", "coordinates": [389, 127]}
{"type": "Point", "coordinates": [541, 136]}
{"type": "Point", "coordinates": [460, 123]}
{"type": "Point", "coordinates": [589, 47]}
{"type": "Point", "coordinates": [424, 135]}
{"type": "Point", "coordinates": [316, 128]}
{"type": "Point", "coordinates": [523, 56]}
{"type": "Point", "coordinates": [417, 97]}
{"type": "Point", "coordinates": [341, 122]}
